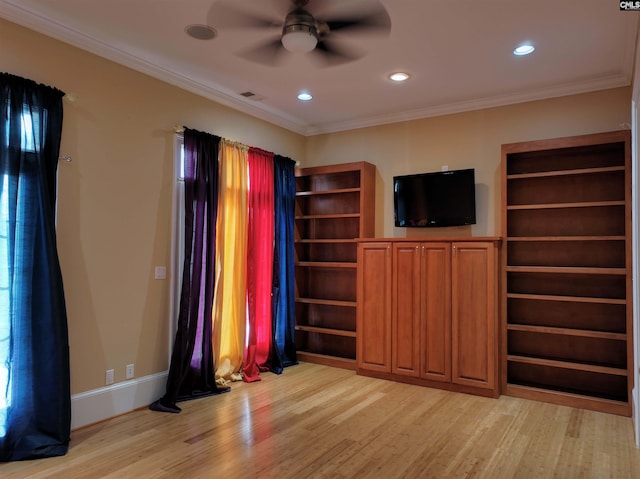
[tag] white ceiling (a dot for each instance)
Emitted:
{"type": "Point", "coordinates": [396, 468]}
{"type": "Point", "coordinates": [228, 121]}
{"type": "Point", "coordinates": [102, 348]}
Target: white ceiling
{"type": "Point", "coordinates": [459, 53]}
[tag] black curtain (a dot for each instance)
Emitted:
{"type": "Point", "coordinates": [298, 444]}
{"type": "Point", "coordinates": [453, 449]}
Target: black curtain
{"type": "Point", "coordinates": [191, 372]}
{"type": "Point", "coordinates": [35, 399]}
{"type": "Point", "coordinates": [283, 352]}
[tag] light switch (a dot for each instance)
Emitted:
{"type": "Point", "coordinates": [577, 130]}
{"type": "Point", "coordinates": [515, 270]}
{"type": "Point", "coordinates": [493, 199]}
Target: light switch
{"type": "Point", "coordinates": [161, 272]}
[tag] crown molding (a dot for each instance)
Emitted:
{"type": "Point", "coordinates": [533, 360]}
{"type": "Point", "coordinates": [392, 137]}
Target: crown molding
{"type": "Point", "coordinates": [612, 81]}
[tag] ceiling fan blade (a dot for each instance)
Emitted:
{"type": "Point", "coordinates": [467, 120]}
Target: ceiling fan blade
{"type": "Point", "coordinates": [329, 53]}
{"type": "Point", "coordinates": [225, 15]}
{"type": "Point", "coordinates": [269, 53]}
{"type": "Point", "coordinates": [375, 22]}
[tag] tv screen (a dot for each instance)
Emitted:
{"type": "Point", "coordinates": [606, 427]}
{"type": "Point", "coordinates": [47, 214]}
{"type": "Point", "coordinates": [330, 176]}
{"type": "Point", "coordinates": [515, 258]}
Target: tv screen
{"type": "Point", "coordinates": [443, 198]}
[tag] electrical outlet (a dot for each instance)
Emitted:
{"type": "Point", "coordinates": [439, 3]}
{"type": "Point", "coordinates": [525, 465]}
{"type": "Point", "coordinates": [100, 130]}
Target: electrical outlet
{"type": "Point", "coordinates": [129, 371]}
{"type": "Point", "coordinates": [108, 377]}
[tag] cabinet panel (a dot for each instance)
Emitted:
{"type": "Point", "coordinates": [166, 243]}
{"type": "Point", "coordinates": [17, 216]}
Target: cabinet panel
{"type": "Point", "coordinates": [435, 330]}
{"type": "Point", "coordinates": [374, 307]}
{"type": "Point", "coordinates": [406, 309]}
{"type": "Point", "coordinates": [473, 312]}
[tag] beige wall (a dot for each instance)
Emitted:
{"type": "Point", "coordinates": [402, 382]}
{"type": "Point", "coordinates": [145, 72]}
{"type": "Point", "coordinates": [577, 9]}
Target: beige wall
{"type": "Point", "coordinates": [465, 140]}
{"type": "Point", "coordinates": [115, 198]}
{"type": "Point", "coordinates": [114, 209]}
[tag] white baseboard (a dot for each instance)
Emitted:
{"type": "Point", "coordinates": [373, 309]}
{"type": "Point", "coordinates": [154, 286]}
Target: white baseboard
{"type": "Point", "coordinates": [100, 404]}
{"type": "Point", "coordinates": [635, 414]}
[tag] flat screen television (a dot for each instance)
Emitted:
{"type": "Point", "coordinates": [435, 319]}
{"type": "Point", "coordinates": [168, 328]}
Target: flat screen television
{"type": "Point", "coordinates": [442, 198]}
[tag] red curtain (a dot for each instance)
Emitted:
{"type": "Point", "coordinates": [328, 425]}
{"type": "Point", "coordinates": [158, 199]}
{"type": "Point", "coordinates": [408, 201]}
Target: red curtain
{"type": "Point", "coordinates": [259, 262]}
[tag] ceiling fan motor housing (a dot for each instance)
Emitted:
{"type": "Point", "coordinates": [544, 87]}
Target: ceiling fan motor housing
{"type": "Point", "coordinates": [299, 33]}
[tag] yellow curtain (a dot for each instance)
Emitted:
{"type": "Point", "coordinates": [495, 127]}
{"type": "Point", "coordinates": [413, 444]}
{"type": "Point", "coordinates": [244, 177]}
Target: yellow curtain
{"type": "Point", "coordinates": [229, 300]}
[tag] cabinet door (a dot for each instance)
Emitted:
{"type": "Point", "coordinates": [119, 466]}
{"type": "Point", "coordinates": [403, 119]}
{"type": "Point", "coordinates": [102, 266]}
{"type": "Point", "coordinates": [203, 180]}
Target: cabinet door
{"type": "Point", "coordinates": [474, 314]}
{"type": "Point", "coordinates": [405, 317]}
{"type": "Point", "coordinates": [435, 311]}
{"type": "Point", "coordinates": [374, 307]}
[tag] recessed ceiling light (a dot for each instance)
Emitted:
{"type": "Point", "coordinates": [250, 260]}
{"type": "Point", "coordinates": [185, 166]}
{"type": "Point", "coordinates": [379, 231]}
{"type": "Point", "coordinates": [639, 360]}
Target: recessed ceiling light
{"type": "Point", "coordinates": [399, 76]}
{"type": "Point", "coordinates": [305, 96]}
{"type": "Point", "coordinates": [524, 49]}
{"type": "Point", "coordinates": [201, 32]}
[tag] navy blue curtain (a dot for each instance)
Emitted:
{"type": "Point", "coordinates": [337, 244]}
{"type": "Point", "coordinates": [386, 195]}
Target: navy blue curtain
{"type": "Point", "coordinates": [191, 372]}
{"type": "Point", "coordinates": [283, 352]}
{"type": "Point", "coordinates": [35, 399]}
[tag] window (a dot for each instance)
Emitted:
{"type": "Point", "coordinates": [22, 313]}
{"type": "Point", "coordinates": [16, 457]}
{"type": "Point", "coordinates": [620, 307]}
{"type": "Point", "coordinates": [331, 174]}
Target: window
{"type": "Point", "coordinates": [29, 142]}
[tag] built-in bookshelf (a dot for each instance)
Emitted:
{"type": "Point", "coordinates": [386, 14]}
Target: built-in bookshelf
{"type": "Point", "coordinates": [567, 271]}
{"type": "Point", "coordinates": [335, 205]}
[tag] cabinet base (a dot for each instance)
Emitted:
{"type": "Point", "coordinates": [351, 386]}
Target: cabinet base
{"type": "Point", "coordinates": [325, 360]}
{"type": "Point", "coordinates": [490, 393]}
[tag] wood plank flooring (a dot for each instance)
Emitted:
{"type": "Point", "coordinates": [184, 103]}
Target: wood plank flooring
{"type": "Point", "coordinates": [319, 422]}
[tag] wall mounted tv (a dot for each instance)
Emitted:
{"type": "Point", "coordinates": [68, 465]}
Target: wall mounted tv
{"type": "Point", "coordinates": [442, 198]}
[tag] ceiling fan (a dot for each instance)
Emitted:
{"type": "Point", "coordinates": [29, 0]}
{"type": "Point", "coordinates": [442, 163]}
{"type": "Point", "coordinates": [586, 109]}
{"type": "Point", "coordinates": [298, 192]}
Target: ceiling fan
{"type": "Point", "coordinates": [308, 27]}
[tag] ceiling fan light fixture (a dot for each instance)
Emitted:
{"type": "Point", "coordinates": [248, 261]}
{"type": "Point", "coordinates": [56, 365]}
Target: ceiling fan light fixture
{"type": "Point", "coordinates": [399, 76]}
{"type": "Point", "coordinates": [299, 38]}
{"type": "Point", "coordinates": [524, 49]}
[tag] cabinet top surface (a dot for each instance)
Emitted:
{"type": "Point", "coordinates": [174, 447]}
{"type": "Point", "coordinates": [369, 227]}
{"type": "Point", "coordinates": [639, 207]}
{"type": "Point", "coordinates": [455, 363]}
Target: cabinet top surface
{"type": "Point", "coordinates": [432, 239]}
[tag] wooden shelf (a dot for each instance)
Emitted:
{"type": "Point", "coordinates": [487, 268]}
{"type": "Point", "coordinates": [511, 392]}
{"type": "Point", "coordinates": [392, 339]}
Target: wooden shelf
{"type": "Point", "coordinates": [328, 192]}
{"type": "Point", "coordinates": [566, 217]}
{"type": "Point", "coordinates": [580, 171]}
{"type": "Point", "coordinates": [566, 238]}
{"type": "Point", "coordinates": [328, 241]}
{"type": "Point", "coordinates": [326, 264]}
{"type": "Point", "coordinates": [327, 302]}
{"type": "Point", "coordinates": [334, 332]}
{"type": "Point", "coordinates": [328, 217]}
{"type": "Point", "coordinates": [549, 206]}
{"type": "Point", "coordinates": [565, 269]}
{"type": "Point", "coordinates": [567, 331]}
{"type": "Point", "coordinates": [568, 365]}
{"type": "Point", "coordinates": [575, 299]}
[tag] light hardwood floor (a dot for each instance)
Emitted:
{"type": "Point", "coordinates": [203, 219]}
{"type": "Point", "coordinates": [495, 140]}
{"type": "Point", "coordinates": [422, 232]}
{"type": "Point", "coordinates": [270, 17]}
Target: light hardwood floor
{"type": "Point", "coordinates": [320, 422]}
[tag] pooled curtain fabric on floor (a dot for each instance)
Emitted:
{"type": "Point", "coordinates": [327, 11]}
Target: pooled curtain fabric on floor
{"type": "Point", "coordinates": [191, 372]}
{"type": "Point", "coordinates": [259, 263]}
{"type": "Point", "coordinates": [35, 399]}
{"type": "Point", "coordinates": [230, 301]}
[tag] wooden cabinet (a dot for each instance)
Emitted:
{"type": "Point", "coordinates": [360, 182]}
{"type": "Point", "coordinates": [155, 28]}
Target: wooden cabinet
{"type": "Point", "coordinates": [436, 320]}
{"type": "Point", "coordinates": [335, 205]}
{"type": "Point", "coordinates": [567, 271]}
